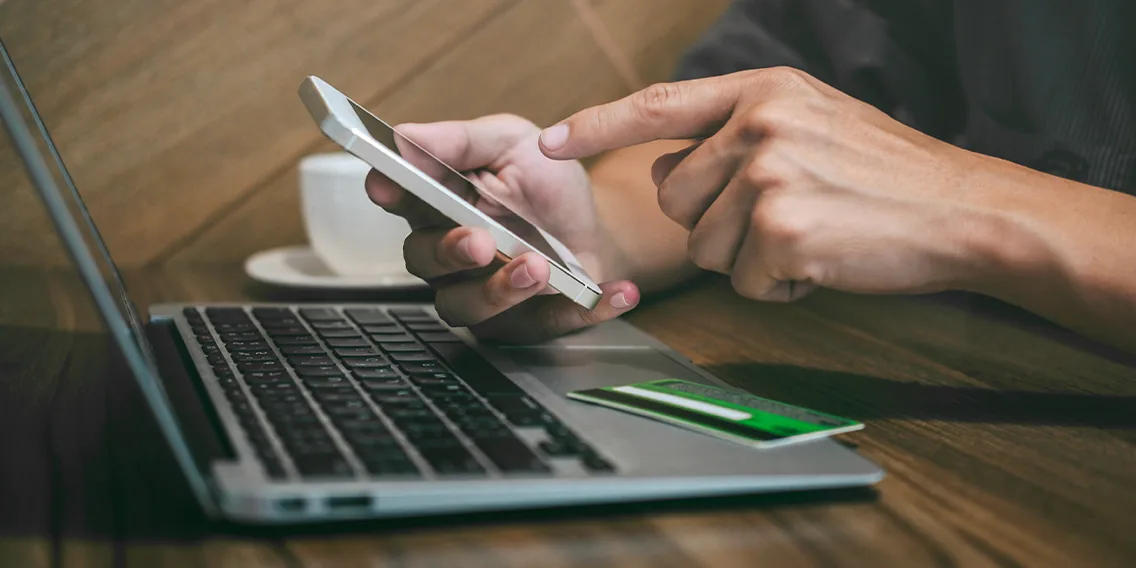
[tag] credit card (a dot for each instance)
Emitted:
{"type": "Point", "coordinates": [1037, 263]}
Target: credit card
{"type": "Point", "coordinates": [723, 413]}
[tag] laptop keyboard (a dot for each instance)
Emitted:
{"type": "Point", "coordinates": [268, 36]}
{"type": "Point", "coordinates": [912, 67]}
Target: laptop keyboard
{"type": "Point", "coordinates": [375, 393]}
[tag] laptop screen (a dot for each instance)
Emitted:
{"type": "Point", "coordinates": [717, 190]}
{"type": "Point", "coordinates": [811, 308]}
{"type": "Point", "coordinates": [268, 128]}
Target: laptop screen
{"type": "Point", "coordinates": [91, 259]}
{"type": "Point", "coordinates": [77, 210]}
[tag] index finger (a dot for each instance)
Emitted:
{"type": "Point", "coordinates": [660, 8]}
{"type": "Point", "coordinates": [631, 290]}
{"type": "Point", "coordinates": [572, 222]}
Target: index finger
{"type": "Point", "coordinates": [664, 111]}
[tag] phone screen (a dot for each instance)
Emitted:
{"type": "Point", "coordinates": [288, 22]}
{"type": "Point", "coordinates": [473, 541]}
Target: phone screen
{"type": "Point", "coordinates": [455, 182]}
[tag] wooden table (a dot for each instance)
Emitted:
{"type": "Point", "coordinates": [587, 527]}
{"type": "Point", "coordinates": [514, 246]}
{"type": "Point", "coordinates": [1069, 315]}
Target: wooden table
{"type": "Point", "coordinates": [1007, 442]}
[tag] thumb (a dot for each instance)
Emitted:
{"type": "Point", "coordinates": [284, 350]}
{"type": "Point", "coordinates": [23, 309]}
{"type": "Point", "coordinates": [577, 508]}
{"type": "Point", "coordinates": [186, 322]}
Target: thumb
{"type": "Point", "coordinates": [469, 144]}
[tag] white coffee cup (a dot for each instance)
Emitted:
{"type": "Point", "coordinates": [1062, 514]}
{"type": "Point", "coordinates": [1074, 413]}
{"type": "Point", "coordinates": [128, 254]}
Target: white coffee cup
{"type": "Point", "coordinates": [352, 235]}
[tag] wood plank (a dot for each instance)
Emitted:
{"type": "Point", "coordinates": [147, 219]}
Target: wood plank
{"type": "Point", "coordinates": [536, 60]}
{"type": "Point", "coordinates": [653, 34]}
{"type": "Point", "coordinates": [1005, 444]}
{"type": "Point", "coordinates": [168, 112]}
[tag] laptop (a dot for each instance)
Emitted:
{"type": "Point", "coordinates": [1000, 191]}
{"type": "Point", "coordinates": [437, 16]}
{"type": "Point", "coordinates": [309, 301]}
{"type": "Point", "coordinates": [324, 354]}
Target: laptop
{"type": "Point", "coordinates": [298, 413]}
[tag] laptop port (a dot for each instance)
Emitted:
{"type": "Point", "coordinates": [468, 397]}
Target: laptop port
{"type": "Point", "coordinates": [291, 505]}
{"type": "Point", "coordinates": [343, 503]}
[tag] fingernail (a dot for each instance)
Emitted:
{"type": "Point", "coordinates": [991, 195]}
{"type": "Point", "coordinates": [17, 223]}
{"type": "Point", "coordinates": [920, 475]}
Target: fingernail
{"type": "Point", "coordinates": [520, 278]}
{"type": "Point", "coordinates": [554, 137]}
{"type": "Point", "coordinates": [465, 247]}
{"type": "Point", "coordinates": [619, 301]}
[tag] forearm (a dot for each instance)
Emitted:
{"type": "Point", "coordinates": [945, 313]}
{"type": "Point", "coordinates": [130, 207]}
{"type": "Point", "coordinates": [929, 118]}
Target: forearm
{"type": "Point", "coordinates": [649, 248]}
{"type": "Point", "coordinates": [1063, 250]}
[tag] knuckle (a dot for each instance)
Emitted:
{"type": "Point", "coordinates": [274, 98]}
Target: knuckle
{"type": "Point", "coordinates": [778, 220]}
{"type": "Point", "coordinates": [670, 202]}
{"type": "Point", "coordinates": [787, 77]}
{"type": "Point", "coordinates": [765, 170]}
{"type": "Point", "coordinates": [771, 119]}
{"type": "Point", "coordinates": [746, 288]}
{"type": "Point", "coordinates": [702, 254]}
{"type": "Point", "coordinates": [653, 102]}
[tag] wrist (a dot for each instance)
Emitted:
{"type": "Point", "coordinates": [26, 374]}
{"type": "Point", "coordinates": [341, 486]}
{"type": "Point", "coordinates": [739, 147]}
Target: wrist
{"type": "Point", "coordinates": [1000, 232]}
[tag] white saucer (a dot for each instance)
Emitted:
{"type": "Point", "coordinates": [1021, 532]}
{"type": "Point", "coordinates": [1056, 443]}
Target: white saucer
{"type": "Point", "coordinates": [299, 267]}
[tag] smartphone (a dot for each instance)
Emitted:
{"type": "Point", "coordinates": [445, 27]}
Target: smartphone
{"type": "Point", "coordinates": [438, 185]}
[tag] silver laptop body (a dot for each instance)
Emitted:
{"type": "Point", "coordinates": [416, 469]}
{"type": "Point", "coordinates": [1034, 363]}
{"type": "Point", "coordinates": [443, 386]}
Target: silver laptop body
{"type": "Point", "coordinates": [420, 419]}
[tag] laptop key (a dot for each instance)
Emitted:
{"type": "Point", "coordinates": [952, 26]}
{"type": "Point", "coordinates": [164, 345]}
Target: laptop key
{"type": "Point", "coordinates": [511, 455]}
{"type": "Point", "coordinates": [412, 314]}
{"type": "Point", "coordinates": [426, 326]}
{"type": "Point", "coordinates": [280, 323]}
{"type": "Point", "coordinates": [295, 340]}
{"type": "Point", "coordinates": [215, 359]}
{"type": "Point", "coordinates": [439, 337]}
{"type": "Point", "coordinates": [475, 370]}
{"type": "Point", "coordinates": [356, 351]}
{"type": "Point", "coordinates": [383, 329]}
{"type": "Point", "coordinates": [376, 374]}
{"type": "Point", "coordinates": [343, 400]}
{"type": "Point", "coordinates": [412, 357]}
{"type": "Point", "coordinates": [310, 360]}
{"type": "Point", "coordinates": [319, 371]}
{"type": "Point", "coordinates": [272, 409]}
{"type": "Point", "coordinates": [331, 324]}
{"type": "Point", "coordinates": [366, 362]}
{"type": "Point", "coordinates": [392, 342]}
{"type": "Point", "coordinates": [283, 396]}
{"type": "Point", "coordinates": [329, 384]}
{"type": "Point", "coordinates": [240, 346]}
{"type": "Point", "coordinates": [367, 427]}
{"type": "Point", "coordinates": [319, 314]}
{"type": "Point", "coordinates": [332, 396]}
{"type": "Point", "coordinates": [347, 342]}
{"type": "Point", "coordinates": [231, 336]}
{"type": "Point", "coordinates": [302, 350]}
{"type": "Point", "coordinates": [250, 366]}
{"type": "Point", "coordinates": [219, 312]}
{"type": "Point", "coordinates": [367, 316]}
{"type": "Point", "coordinates": [397, 468]}
{"type": "Point", "coordinates": [253, 356]}
{"type": "Point", "coordinates": [269, 313]}
{"type": "Point", "coordinates": [451, 460]}
{"type": "Point", "coordinates": [274, 388]}
{"type": "Point", "coordinates": [375, 443]}
{"type": "Point", "coordinates": [309, 419]}
{"type": "Point", "coordinates": [324, 466]}
{"type": "Point", "coordinates": [267, 377]}
{"type": "Point", "coordinates": [292, 330]}
{"type": "Point", "coordinates": [426, 367]}
{"type": "Point", "coordinates": [327, 333]}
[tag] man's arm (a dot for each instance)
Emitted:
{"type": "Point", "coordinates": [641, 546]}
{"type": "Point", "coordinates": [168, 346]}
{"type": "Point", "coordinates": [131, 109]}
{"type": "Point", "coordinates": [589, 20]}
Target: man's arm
{"type": "Point", "coordinates": [1061, 249]}
{"type": "Point", "coordinates": [821, 190]}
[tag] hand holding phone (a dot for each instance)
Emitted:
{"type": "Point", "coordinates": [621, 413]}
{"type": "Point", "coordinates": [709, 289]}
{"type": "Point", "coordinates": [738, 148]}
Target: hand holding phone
{"type": "Point", "coordinates": [500, 154]}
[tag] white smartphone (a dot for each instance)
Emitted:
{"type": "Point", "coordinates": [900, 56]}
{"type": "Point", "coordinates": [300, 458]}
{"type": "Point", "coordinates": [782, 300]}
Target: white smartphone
{"type": "Point", "coordinates": [446, 190]}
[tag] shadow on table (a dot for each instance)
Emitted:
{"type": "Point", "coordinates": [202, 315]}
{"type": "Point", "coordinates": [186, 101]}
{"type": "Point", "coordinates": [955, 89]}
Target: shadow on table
{"type": "Point", "coordinates": [869, 398]}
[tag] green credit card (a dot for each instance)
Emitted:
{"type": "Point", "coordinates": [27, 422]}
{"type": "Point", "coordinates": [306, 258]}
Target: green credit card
{"type": "Point", "coordinates": [729, 414]}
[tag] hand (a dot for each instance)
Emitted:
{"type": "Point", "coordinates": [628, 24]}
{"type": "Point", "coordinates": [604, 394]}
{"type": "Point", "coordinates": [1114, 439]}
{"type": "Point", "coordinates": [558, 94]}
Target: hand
{"type": "Point", "coordinates": [794, 185]}
{"type": "Point", "coordinates": [509, 302]}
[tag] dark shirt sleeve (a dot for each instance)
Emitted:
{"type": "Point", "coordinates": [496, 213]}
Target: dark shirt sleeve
{"type": "Point", "coordinates": [897, 55]}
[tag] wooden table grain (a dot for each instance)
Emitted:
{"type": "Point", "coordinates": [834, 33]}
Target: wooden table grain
{"type": "Point", "coordinates": [1007, 442]}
